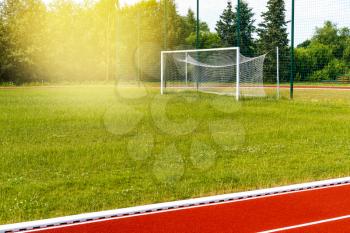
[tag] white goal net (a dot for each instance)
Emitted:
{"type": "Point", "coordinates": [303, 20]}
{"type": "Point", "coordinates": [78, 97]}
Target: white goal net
{"type": "Point", "coordinates": [214, 71]}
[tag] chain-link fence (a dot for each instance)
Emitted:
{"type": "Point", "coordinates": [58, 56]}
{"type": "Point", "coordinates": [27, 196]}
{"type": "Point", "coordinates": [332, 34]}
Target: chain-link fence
{"type": "Point", "coordinates": [321, 36]}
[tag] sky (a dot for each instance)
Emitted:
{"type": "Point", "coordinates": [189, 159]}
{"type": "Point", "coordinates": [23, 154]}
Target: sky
{"type": "Point", "coordinates": [309, 13]}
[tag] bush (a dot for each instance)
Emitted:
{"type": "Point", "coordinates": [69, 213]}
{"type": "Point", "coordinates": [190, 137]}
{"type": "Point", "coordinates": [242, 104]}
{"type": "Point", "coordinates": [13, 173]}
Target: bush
{"type": "Point", "coordinates": [333, 70]}
{"type": "Point", "coordinates": [346, 54]}
{"type": "Point", "coordinates": [312, 60]}
{"type": "Point", "coordinates": [303, 64]}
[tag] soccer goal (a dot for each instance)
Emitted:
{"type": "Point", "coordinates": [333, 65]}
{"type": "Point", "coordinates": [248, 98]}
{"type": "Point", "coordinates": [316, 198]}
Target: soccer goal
{"type": "Point", "coordinates": [220, 71]}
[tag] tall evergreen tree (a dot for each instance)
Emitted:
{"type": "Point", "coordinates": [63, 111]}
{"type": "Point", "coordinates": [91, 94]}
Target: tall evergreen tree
{"type": "Point", "coordinates": [188, 31]}
{"type": "Point", "coordinates": [247, 29]}
{"type": "Point", "coordinates": [272, 33]}
{"type": "Point", "coordinates": [190, 21]}
{"type": "Point", "coordinates": [227, 27]}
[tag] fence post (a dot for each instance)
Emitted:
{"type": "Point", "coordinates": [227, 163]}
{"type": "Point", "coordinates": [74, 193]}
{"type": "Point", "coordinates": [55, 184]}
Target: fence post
{"type": "Point", "coordinates": [186, 68]}
{"type": "Point", "coordinates": [278, 72]}
{"type": "Point", "coordinates": [161, 73]}
{"type": "Point", "coordinates": [237, 74]}
{"type": "Point", "coordinates": [238, 23]}
{"type": "Point", "coordinates": [292, 56]}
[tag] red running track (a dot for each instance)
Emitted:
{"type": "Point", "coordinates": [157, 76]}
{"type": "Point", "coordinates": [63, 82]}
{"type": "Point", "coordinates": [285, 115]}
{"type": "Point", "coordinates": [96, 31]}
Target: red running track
{"type": "Point", "coordinates": [318, 87]}
{"type": "Point", "coordinates": [324, 209]}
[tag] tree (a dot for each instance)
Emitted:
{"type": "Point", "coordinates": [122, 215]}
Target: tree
{"type": "Point", "coordinates": [331, 35]}
{"type": "Point", "coordinates": [207, 40]}
{"type": "Point", "coordinates": [326, 55]}
{"type": "Point", "coordinates": [304, 44]}
{"type": "Point", "coordinates": [69, 41]}
{"type": "Point", "coordinates": [346, 54]}
{"type": "Point", "coordinates": [187, 28]}
{"type": "Point", "coordinates": [226, 27]}
{"type": "Point", "coordinates": [4, 45]}
{"type": "Point", "coordinates": [332, 71]}
{"type": "Point", "coordinates": [190, 21]}
{"type": "Point", "coordinates": [312, 59]}
{"type": "Point", "coordinates": [22, 33]}
{"type": "Point", "coordinates": [173, 27]}
{"type": "Point", "coordinates": [247, 28]}
{"type": "Point", "coordinates": [272, 33]}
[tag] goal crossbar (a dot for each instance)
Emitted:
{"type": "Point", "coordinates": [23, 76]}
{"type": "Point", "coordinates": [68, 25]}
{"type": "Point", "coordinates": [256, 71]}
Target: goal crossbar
{"type": "Point", "coordinates": [200, 50]}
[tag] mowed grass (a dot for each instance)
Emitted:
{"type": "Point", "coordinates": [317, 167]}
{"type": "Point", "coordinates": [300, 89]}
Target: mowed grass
{"type": "Point", "coordinates": [69, 150]}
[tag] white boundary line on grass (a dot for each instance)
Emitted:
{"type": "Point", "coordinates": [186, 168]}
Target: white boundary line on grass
{"type": "Point", "coordinates": [307, 224]}
{"type": "Point", "coordinates": [170, 206]}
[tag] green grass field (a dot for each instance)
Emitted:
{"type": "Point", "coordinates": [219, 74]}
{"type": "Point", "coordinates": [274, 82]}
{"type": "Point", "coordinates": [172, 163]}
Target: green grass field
{"type": "Point", "coordinates": [75, 149]}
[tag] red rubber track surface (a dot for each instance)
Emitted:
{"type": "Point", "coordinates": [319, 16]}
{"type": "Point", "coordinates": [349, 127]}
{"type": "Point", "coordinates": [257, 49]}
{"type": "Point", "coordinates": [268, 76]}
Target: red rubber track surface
{"type": "Point", "coordinates": [250, 215]}
{"type": "Point", "coordinates": [315, 87]}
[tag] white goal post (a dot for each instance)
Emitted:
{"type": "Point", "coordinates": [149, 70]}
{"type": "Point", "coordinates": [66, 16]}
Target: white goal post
{"type": "Point", "coordinates": [222, 71]}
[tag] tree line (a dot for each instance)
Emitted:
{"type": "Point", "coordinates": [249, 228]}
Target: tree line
{"type": "Point", "coordinates": [99, 40]}
{"type": "Point", "coordinates": [179, 32]}
{"type": "Point", "coordinates": [326, 56]}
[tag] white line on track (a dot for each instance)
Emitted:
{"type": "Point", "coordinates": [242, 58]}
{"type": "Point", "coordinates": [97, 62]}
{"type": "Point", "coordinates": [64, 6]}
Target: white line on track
{"type": "Point", "coordinates": [307, 224]}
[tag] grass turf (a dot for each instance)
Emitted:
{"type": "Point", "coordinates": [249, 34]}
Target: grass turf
{"type": "Point", "coordinates": [69, 150]}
